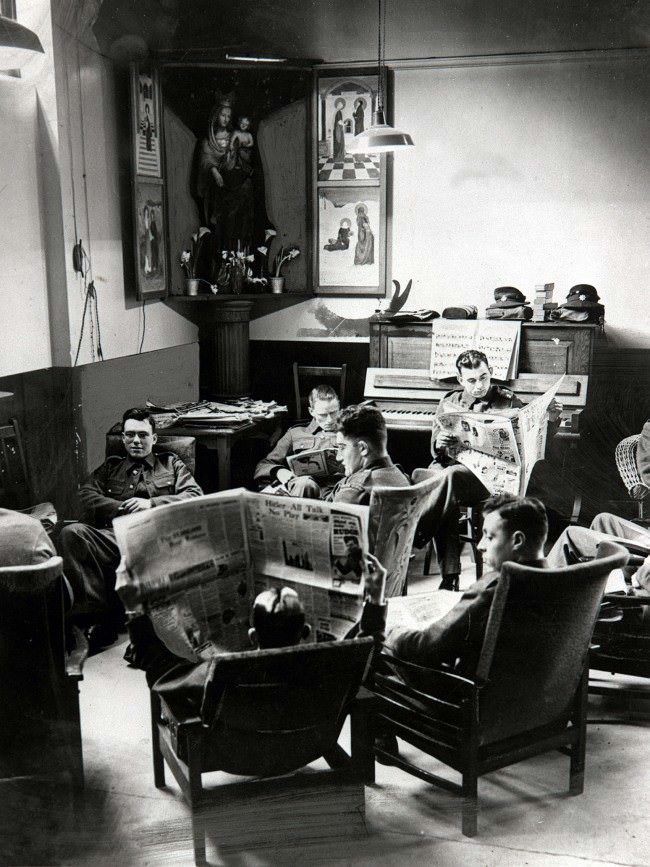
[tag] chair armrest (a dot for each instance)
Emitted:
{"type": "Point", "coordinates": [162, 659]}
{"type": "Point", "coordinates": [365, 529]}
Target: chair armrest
{"type": "Point", "coordinates": [74, 662]}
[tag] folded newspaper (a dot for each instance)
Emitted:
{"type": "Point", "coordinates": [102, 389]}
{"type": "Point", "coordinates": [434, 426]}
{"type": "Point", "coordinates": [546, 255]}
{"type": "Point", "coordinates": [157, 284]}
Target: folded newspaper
{"type": "Point", "coordinates": [318, 462]}
{"type": "Point", "coordinates": [500, 449]}
{"type": "Point", "coordinates": [196, 566]}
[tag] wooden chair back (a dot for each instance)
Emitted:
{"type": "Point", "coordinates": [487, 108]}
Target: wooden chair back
{"type": "Point", "coordinates": [537, 642]}
{"type": "Point", "coordinates": [306, 377]}
{"type": "Point", "coordinates": [15, 487]}
{"type": "Point", "coordinates": [33, 701]}
{"type": "Point", "coordinates": [394, 515]}
{"type": "Point", "coordinates": [273, 711]}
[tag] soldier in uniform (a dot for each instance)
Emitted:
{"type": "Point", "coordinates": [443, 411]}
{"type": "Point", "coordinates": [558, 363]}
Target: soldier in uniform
{"type": "Point", "coordinates": [458, 485]}
{"type": "Point", "coordinates": [361, 442]}
{"type": "Point", "coordinates": [320, 433]}
{"type": "Point", "coordinates": [121, 485]}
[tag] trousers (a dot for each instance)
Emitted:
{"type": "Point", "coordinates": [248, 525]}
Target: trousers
{"type": "Point", "coordinates": [577, 542]}
{"type": "Point", "coordinates": [90, 558]}
{"type": "Point", "coordinates": [457, 487]}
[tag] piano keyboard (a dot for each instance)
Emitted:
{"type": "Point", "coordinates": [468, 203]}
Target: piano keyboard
{"type": "Point", "coordinates": [408, 419]}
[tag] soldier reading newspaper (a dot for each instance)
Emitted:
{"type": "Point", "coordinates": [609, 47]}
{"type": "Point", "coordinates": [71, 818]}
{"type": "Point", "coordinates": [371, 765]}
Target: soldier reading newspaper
{"type": "Point", "coordinates": [195, 567]}
{"type": "Point", "coordinates": [501, 449]}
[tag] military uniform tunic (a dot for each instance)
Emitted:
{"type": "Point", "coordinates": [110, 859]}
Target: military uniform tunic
{"type": "Point", "coordinates": [90, 554]}
{"type": "Point", "coordinates": [299, 438]}
{"type": "Point", "coordinates": [357, 487]}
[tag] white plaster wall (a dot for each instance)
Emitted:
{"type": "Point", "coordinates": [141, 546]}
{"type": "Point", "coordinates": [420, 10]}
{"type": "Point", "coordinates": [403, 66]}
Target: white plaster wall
{"type": "Point", "coordinates": [88, 120]}
{"type": "Point", "coordinates": [526, 174]}
{"type": "Point", "coordinates": [25, 334]}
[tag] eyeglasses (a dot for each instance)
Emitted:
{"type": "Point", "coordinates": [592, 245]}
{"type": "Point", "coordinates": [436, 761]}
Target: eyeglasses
{"type": "Point", "coordinates": [132, 434]}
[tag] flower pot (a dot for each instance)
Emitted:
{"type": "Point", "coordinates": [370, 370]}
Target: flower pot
{"type": "Point", "coordinates": [277, 285]}
{"type": "Point", "coordinates": [237, 282]}
{"type": "Point", "coordinates": [192, 285]}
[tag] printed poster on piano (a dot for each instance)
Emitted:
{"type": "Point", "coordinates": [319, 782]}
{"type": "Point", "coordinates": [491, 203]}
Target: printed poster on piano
{"type": "Point", "coordinates": [501, 450]}
{"type": "Point", "coordinates": [195, 566]}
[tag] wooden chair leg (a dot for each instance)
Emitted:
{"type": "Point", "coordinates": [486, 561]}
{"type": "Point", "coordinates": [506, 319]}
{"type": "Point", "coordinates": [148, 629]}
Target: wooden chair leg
{"type": "Point", "coordinates": [195, 798]}
{"type": "Point", "coordinates": [362, 739]}
{"type": "Point", "coordinates": [158, 760]}
{"type": "Point", "coordinates": [427, 558]}
{"type": "Point", "coordinates": [578, 750]}
{"type": "Point", "coordinates": [470, 805]}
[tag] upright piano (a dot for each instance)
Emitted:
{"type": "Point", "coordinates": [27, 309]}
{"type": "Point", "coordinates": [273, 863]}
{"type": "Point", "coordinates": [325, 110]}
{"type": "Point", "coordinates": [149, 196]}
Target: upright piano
{"type": "Point", "coordinates": [398, 380]}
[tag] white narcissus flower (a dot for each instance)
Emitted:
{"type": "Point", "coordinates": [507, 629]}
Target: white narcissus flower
{"type": "Point", "coordinates": [270, 233]}
{"type": "Point", "coordinates": [263, 250]}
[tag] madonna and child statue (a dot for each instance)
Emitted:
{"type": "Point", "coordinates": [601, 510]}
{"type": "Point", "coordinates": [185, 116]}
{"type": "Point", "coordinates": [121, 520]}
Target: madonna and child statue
{"type": "Point", "coordinates": [224, 177]}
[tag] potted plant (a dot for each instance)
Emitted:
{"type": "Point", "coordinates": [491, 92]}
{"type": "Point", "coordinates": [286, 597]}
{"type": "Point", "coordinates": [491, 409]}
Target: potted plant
{"type": "Point", "coordinates": [277, 280]}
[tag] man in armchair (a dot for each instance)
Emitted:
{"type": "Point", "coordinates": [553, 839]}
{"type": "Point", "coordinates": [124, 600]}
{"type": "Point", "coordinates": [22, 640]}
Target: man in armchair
{"type": "Point", "coordinates": [139, 480]}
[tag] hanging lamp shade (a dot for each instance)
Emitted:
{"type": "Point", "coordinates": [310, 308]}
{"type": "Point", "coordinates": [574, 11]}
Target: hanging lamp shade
{"type": "Point", "coordinates": [380, 137]}
{"type": "Point", "coordinates": [17, 44]}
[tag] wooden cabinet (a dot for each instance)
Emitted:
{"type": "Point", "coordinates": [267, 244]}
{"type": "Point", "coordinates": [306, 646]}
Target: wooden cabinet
{"type": "Point", "coordinates": [545, 347]}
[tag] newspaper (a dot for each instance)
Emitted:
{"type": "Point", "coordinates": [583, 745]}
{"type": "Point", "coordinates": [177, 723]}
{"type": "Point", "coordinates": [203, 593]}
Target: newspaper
{"type": "Point", "coordinates": [318, 462]}
{"type": "Point", "coordinates": [498, 340]}
{"type": "Point", "coordinates": [193, 566]}
{"type": "Point", "coordinates": [416, 611]}
{"type": "Point", "coordinates": [501, 450]}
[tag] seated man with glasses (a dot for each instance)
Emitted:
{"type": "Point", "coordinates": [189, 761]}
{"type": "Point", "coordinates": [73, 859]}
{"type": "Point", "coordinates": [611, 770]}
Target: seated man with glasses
{"type": "Point", "coordinates": [137, 481]}
{"type": "Point", "coordinates": [320, 433]}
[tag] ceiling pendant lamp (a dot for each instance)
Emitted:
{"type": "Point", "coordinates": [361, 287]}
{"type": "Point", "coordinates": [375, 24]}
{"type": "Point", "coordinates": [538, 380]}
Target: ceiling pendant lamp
{"type": "Point", "coordinates": [380, 137]}
{"type": "Point", "coordinates": [17, 44]}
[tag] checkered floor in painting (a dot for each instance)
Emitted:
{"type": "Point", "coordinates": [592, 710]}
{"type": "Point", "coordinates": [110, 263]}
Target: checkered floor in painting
{"type": "Point", "coordinates": [354, 167]}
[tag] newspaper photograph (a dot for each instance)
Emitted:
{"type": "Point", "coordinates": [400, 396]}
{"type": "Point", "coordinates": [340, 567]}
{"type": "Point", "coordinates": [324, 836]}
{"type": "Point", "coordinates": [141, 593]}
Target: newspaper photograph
{"type": "Point", "coordinates": [501, 450]}
{"type": "Point", "coordinates": [490, 434]}
{"type": "Point", "coordinates": [188, 566]}
{"type": "Point", "coordinates": [319, 462]}
{"type": "Point", "coordinates": [308, 541]}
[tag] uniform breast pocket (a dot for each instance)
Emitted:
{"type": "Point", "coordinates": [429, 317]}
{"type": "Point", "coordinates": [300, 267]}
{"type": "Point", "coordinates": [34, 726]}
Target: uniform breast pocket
{"type": "Point", "coordinates": [303, 444]}
{"type": "Point", "coordinates": [164, 483]}
{"type": "Point", "coordinates": [118, 490]}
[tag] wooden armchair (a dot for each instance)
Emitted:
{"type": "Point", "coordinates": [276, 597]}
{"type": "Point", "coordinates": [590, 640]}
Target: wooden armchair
{"type": "Point", "coordinates": [394, 516]}
{"type": "Point", "coordinates": [625, 456]}
{"type": "Point", "coordinates": [529, 692]}
{"type": "Point", "coordinates": [40, 728]}
{"type": "Point", "coordinates": [621, 645]}
{"type": "Point", "coordinates": [265, 714]}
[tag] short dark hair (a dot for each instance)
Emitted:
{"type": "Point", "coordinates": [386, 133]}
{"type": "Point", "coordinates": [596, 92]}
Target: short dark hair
{"type": "Point", "coordinates": [527, 514]}
{"type": "Point", "coordinates": [471, 358]}
{"type": "Point", "coordinates": [278, 619]}
{"type": "Point", "coordinates": [322, 392]}
{"type": "Point", "coordinates": [139, 413]}
{"type": "Point", "coordinates": [363, 422]}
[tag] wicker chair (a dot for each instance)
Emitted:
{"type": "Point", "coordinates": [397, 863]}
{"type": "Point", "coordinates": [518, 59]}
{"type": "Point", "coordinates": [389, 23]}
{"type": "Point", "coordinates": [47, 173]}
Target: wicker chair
{"type": "Point", "coordinates": [625, 456]}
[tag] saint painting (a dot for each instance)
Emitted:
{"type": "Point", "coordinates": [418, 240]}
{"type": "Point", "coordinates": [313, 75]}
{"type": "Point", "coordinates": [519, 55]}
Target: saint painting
{"type": "Point", "coordinates": [345, 107]}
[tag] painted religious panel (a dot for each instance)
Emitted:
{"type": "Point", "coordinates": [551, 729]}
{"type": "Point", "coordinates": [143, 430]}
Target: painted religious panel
{"type": "Point", "coordinates": [350, 240]}
{"type": "Point", "coordinates": [151, 252]}
{"type": "Point", "coordinates": [345, 105]}
{"type": "Point", "coordinates": [147, 158]}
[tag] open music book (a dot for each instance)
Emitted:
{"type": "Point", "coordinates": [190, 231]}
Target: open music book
{"type": "Point", "coordinates": [498, 340]}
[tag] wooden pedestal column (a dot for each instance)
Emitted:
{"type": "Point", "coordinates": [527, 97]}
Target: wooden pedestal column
{"type": "Point", "coordinates": [223, 336]}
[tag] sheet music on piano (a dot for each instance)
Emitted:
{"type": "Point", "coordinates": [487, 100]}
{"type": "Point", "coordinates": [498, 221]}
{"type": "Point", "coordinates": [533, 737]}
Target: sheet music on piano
{"type": "Point", "coordinates": [499, 341]}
